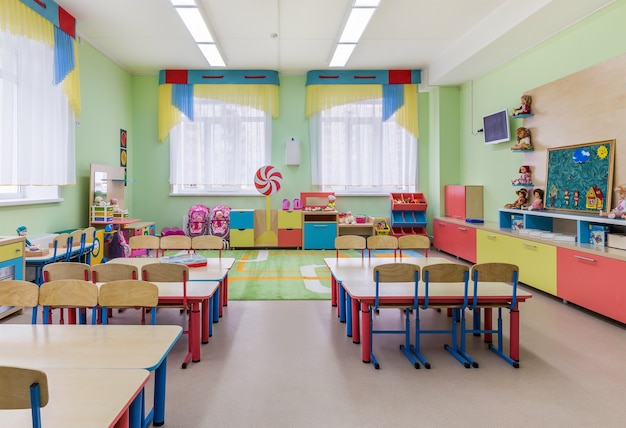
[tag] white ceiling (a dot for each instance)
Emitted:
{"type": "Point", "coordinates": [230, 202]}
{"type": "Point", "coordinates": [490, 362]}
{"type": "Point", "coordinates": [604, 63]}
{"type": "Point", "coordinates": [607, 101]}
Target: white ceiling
{"type": "Point", "coordinates": [451, 40]}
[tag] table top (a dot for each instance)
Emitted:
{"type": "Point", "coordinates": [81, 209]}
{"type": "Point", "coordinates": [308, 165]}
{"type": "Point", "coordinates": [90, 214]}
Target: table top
{"type": "Point", "coordinates": [438, 292]}
{"type": "Point", "coordinates": [215, 270]}
{"type": "Point", "coordinates": [83, 398]}
{"type": "Point", "coordinates": [86, 346]}
{"type": "Point", "coordinates": [195, 289]}
{"type": "Point", "coordinates": [356, 268]}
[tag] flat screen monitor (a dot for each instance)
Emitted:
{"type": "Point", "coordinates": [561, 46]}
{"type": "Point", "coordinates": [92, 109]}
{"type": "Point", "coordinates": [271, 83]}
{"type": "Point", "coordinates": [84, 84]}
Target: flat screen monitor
{"type": "Point", "coordinates": [496, 127]}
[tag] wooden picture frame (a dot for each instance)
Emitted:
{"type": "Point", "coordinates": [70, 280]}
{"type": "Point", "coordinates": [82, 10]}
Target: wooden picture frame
{"type": "Point", "coordinates": [580, 177]}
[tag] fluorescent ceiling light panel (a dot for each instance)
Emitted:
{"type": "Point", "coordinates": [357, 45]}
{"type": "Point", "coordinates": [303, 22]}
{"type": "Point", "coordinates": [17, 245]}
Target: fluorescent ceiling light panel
{"type": "Point", "coordinates": [212, 55]}
{"type": "Point", "coordinates": [342, 54]}
{"type": "Point", "coordinates": [364, 3]}
{"type": "Point", "coordinates": [357, 21]}
{"type": "Point", "coordinates": [183, 2]}
{"type": "Point", "coordinates": [194, 22]}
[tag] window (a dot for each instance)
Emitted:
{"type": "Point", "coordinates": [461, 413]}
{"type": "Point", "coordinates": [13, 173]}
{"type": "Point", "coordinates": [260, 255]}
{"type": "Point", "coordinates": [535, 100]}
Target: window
{"type": "Point", "coordinates": [36, 124]}
{"type": "Point", "coordinates": [355, 152]}
{"type": "Point", "coordinates": [220, 150]}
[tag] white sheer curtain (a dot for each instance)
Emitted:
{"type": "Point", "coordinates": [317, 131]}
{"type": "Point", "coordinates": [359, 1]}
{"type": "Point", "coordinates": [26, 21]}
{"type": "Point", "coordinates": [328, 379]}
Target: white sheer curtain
{"type": "Point", "coordinates": [220, 150]}
{"type": "Point", "coordinates": [354, 151]}
{"type": "Point", "coordinates": [37, 134]}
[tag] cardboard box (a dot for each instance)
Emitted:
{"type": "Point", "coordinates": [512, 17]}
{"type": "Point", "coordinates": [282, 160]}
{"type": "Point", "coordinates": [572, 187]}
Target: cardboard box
{"type": "Point", "coordinates": [615, 240]}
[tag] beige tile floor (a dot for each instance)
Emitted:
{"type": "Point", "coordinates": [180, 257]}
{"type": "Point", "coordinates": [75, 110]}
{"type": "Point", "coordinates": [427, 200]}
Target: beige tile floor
{"type": "Point", "coordinates": [289, 364]}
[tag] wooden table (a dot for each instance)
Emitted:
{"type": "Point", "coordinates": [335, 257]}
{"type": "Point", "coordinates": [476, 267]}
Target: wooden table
{"type": "Point", "coordinates": [87, 398]}
{"type": "Point", "coordinates": [363, 294]}
{"type": "Point", "coordinates": [356, 268]}
{"type": "Point", "coordinates": [93, 347]}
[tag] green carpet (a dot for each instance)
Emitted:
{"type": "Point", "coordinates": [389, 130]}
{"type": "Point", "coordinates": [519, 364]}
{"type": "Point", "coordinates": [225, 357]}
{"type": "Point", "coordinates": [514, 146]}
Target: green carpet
{"type": "Point", "coordinates": [283, 274]}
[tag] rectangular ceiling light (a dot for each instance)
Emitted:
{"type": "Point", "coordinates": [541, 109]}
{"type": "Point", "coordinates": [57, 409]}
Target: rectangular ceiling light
{"type": "Point", "coordinates": [194, 22]}
{"type": "Point", "coordinates": [360, 15]}
{"type": "Point", "coordinates": [342, 54]}
{"type": "Point", "coordinates": [357, 21]}
{"type": "Point", "coordinates": [211, 54]}
{"type": "Point", "coordinates": [183, 2]}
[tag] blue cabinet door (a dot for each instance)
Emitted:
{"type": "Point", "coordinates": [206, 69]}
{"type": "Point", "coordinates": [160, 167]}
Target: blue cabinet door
{"type": "Point", "coordinates": [320, 236]}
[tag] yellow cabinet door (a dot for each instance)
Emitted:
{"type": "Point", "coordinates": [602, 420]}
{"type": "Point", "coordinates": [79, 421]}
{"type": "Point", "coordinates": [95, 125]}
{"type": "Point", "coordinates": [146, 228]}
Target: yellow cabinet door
{"type": "Point", "coordinates": [537, 264]}
{"type": "Point", "coordinates": [493, 247]}
{"type": "Point", "coordinates": [290, 219]}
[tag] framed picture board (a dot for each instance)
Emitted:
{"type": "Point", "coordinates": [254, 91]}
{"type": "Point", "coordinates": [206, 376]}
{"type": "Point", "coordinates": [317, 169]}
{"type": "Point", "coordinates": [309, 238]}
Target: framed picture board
{"type": "Point", "coordinates": [580, 177]}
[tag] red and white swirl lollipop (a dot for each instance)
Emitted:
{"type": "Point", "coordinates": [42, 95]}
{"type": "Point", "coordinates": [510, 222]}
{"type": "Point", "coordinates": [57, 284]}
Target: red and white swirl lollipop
{"type": "Point", "coordinates": [268, 180]}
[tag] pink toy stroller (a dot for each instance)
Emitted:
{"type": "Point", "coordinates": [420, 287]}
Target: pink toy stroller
{"type": "Point", "coordinates": [198, 220]}
{"type": "Point", "coordinates": [220, 221]}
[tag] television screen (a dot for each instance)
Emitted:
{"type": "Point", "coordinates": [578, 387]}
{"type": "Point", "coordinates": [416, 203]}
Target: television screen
{"type": "Point", "coordinates": [496, 127]}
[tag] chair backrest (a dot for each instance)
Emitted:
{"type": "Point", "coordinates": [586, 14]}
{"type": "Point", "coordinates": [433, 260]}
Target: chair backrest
{"type": "Point", "coordinates": [167, 272]}
{"type": "Point", "coordinates": [145, 242]}
{"type": "Point", "coordinates": [66, 270]}
{"type": "Point", "coordinates": [396, 272]}
{"type": "Point", "coordinates": [175, 242]}
{"type": "Point", "coordinates": [62, 240]}
{"type": "Point", "coordinates": [90, 233]}
{"type": "Point", "coordinates": [350, 242]}
{"type": "Point", "coordinates": [445, 272]}
{"type": "Point", "coordinates": [413, 242]}
{"type": "Point", "coordinates": [79, 238]}
{"type": "Point", "coordinates": [23, 388]}
{"type": "Point", "coordinates": [15, 292]}
{"type": "Point", "coordinates": [106, 272]}
{"type": "Point", "coordinates": [128, 293]}
{"type": "Point", "coordinates": [382, 242]}
{"type": "Point", "coordinates": [68, 293]}
{"type": "Point", "coordinates": [495, 272]}
{"type": "Point", "coordinates": [207, 242]}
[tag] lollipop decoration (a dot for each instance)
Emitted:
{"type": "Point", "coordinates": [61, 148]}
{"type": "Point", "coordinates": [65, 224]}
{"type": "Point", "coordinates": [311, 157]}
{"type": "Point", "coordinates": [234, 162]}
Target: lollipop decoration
{"type": "Point", "coordinates": [267, 181]}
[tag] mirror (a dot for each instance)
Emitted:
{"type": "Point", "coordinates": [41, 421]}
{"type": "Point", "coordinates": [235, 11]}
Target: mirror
{"type": "Point", "coordinates": [100, 185]}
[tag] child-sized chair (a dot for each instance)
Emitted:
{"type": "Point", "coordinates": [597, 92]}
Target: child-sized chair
{"type": "Point", "coordinates": [128, 293]}
{"type": "Point", "coordinates": [15, 292]}
{"type": "Point", "coordinates": [68, 293]}
{"type": "Point", "coordinates": [24, 388]}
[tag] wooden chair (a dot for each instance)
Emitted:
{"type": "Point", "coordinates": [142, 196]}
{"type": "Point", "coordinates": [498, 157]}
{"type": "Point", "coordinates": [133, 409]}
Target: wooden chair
{"type": "Point", "coordinates": [144, 242]}
{"type": "Point", "coordinates": [68, 293]}
{"type": "Point", "coordinates": [107, 272]}
{"type": "Point", "coordinates": [62, 240]}
{"type": "Point", "coordinates": [90, 238]}
{"type": "Point", "coordinates": [383, 275]}
{"type": "Point", "coordinates": [413, 242]}
{"type": "Point", "coordinates": [128, 293]}
{"type": "Point", "coordinates": [67, 270]}
{"type": "Point", "coordinates": [79, 239]}
{"type": "Point", "coordinates": [453, 275]}
{"type": "Point", "coordinates": [23, 388]}
{"type": "Point", "coordinates": [207, 242]}
{"type": "Point", "coordinates": [350, 242]}
{"type": "Point", "coordinates": [15, 292]}
{"type": "Point", "coordinates": [481, 275]}
{"type": "Point", "coordinates": [382, 242]}
{"type": "Point", "coordinates": [170, 272]}
{"type": "Point", "coordinates": [175, 242]}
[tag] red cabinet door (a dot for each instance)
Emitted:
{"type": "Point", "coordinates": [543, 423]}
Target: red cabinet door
{"type": "Point", "coordinates": [593, 282]}
{"type": "Point", "coordinates": [443, 237]}
{"type": "Point", "coordinates": [455, 201]}
{"type": "Point", "coordinates": [465, 240]}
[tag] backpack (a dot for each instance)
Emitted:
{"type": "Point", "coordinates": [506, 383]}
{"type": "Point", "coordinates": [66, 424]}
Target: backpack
{"type": "Point", "coordinates": [198, 220]}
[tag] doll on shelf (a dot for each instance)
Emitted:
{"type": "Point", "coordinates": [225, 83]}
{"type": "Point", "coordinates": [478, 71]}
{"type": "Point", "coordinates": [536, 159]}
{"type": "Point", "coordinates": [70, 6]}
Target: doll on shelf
{"type": "Point", "coordinates": [523, 139]}
{"type": "Point", "coordinates": [526, 101]}
{"type": "Point", "coordinates": [524, 178]}
{"type": "Point", "coordinates": [537, 204]}
{"type": "Point", "coordinates": [620, 210]}
{"type": "Point", "coordinates": [522, 200]}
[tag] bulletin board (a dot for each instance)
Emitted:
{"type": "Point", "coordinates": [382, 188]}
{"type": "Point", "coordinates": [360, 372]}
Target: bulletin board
{"type": "Point", "coordinates": [579, 177]}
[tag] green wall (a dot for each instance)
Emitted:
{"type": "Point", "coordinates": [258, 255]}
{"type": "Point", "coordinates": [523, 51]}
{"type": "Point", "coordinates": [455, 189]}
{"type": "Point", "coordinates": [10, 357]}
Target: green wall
{"type": "Point", "coordinates": [450, 151]}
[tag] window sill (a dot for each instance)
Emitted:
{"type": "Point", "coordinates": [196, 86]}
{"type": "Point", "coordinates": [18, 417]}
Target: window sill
{"type": "Point", "coordinates": [18, 202]}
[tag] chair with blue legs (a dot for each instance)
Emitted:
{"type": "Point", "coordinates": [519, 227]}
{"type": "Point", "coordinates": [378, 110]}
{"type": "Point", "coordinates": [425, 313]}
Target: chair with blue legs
{"type": "Point", "coordinates": [79, 239]}
{"type": "Point", "coordinates": [482, 275]}
{"type": "Point", "coordinates": [385, 276]}
{"type": "Point", "coordinates": [68, 293]}
{"type": "Point", "coordinates": [107, 272]}
{"type": "Point", "coordinates": [24, 388]}
{"type": "Point", "coordinates": [67, 270]}
{"type": "Point", "coordinates": [454, 279]}
{"type": "Point", "coordinates": [24, 294]}
{"type": "Point", "coordinates": [128, 293]}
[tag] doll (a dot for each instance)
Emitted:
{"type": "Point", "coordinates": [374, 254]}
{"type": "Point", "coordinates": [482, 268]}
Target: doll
{"type": "Point", "coordinates": [524, 177]}
{"type": "Point", "coordinates": [522, 200]}
{"type": "Point", "coordinates": [350, 218]}
{"type": "Point", "coordinates": [523, 139]}
{"type": "Point", "coordinates": [331, 203]}
{"type": "Point", "coordinates": [620, 210]}
{"type": "Point", "coordinates": [526, 101]}
{"type": "Point", "coordinates": [538, 201]}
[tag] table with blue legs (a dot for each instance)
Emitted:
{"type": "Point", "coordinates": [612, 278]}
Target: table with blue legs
{"type": "Point", "coordinates": [357, 268]}
{"type": "Point", "coordinates": [94, 347]}
{"type": "Point", "coordinates": [38, 262]}
{"type": "Point", "coordinates": [87, 398]}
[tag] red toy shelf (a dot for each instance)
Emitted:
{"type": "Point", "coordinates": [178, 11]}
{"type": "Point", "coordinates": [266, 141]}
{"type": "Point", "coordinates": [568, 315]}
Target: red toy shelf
{"type": "Point", "coordinates": [408, 202]}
